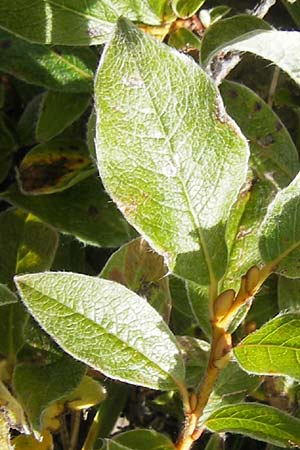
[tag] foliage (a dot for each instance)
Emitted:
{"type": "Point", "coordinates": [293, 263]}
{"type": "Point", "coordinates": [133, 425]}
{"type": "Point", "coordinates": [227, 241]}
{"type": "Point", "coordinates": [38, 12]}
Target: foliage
{"type": "Point", "coordinates": [149, 224]}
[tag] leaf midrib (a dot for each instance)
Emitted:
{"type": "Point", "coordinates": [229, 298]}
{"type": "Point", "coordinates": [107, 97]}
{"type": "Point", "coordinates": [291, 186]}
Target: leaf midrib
{"type": "Point", "coordinates": [55, 301]}
{"type": "Point", "coordinates": [197, 227]}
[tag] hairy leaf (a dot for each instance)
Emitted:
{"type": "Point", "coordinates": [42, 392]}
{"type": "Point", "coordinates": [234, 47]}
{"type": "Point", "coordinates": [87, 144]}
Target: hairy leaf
{"type": "Point", "coordinates": [59, 68]}
{"type": "Point", "coordinates": [74, 22]}
{"type": "Point", "coordinates": [280, 47]}
{"type": "Point", "coordinates": [279, 234]}
{"type": "Point", "coordinates": [106, 326]}
{"type": "Point", "coordinates": [274, 349]}
{"type": "Point", "coordinates": [257, 421]}
{"type": "Point", "coordinates": [168, 154]}
{"type": "Point", "coordinates": [219, 34]}
{"type": "Point", "coordinates": [274, 163]}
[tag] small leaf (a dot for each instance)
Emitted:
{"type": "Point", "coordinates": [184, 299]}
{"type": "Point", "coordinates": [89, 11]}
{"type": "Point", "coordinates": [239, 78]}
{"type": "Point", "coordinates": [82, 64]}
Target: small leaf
{"type": "Point", "coordinates": [108, 327]}
{"type": "Point", "coordinates": [219, 34]}
{"type": "Point", "coordinates": [151, 155]}
{"type": "Point", "coordinates": [74, 22]}
{"type": "Point", "coordinates": [46, 384]}
{"type": "Point", "coordinates": [144, 439]}
{"type": "Point", "coordinates": [7, 297]}
{"type": "Point", "coordinates": [26, 244]}
{"type": "Point", "coordinates": [58, 111]}
{"type": "Point", "coordinates": [140, 269]}
{"type": "Point", "coordinates": [274, 349]}
{"type": "Point", "coordinates": [186, 8]}
{"type": "Point", "coordinates": [274, 163]}
{"type": "Point", "coordinates": [289, 294]}
{"type": "Point", "coordinates": [90, 216]}
{"type": "Point", "coordinates": [257, 421]}
{"type": "Point", "coordinates": [179, 296]}
{"type": "Point", "coordinates": [89, 393]}
{"type": "Point", "coordinates": [279, 234]}
{"type": "Point", "coordinates": [59, 68]}
{"type": "Point", "coordinates": [184, 39]}
{"type": "Point", "coordinates": [54, 166]}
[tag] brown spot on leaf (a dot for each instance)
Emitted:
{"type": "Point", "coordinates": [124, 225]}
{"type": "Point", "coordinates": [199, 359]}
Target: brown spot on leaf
{"type": "Point", "coordinates": [267, 140]}
{"type": "Point", "coordinates": [233, 93]}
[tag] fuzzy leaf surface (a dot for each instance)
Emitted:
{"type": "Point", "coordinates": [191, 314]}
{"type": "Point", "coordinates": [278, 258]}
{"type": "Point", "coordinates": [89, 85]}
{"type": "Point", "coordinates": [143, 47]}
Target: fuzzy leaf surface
{"type": "Point", "coordinates": [274, 349]}
{"type": "Point", "coordinates": [289, 294]}
{"type": "Point", "coordinates": [168, 154]}
{"type": "Point", "coordinates": [280, 47]}
{"type": "Point", "coordinates": [260, 422]}
{"type": "Point", "coordinates": [59, 68]}
{"type": "Point", "coordinates": [219, 34]}
{"type": "Point", "coordinates": [279, 234]}
{"type": "Point", "coordinates": [106, 326]}
{"type": "Point", "coordinates": [274, 163]}
{"type": "Point", "coordinates": [74, 22]}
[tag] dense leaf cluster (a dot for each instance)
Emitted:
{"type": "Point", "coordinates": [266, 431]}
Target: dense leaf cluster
{"type": "Point", "coordinates": [149, 225]}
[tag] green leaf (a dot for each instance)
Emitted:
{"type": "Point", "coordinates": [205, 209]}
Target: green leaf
{"type": "Point", "coordinates": [84, 211]}
{"type": "Point", "coordinates": [58, 68]}
{"type": "Point", "coordinates": [140, 269]}
{"type": "Point", "coordinates": [108, 327]}
{"type": "Point", "coordinates": [279, 234]}
{"type": "Point", "coordinates": [186, 8]}
{"type": "Point", "coordinates": [7, 145]}
{"type": "Point", "coordinates": [90, 134]}
{"type": "Point", "coordinates": [70, 255]}
{"type": "Point", "coordinates": [58, 111]}
{"type": "Point", "coordinates": [265, 303]}
{"type": "Point", "coordinates": [293, 8]}
{"type": "Point", "coordinates": [215, 442]}
{"type": "Point", "coordinates": [274, 349]}
{"type": "Point", "coordinates": [7, 297]}
{"type": "Point", "coordinates": [198, 298]}
{"type": "Point", "coordinates": [13, 319]}
{"type": "Point", "coordinates": [274, 163]}
{"type": "Point", "coordinates": [222, 32]}
{"type": "Point", "coordinates": [74, 22]}
{"type": "Point", "coordinates": [109, 410]}
{"type": "Point", "coordinates": [46, 384]}
{"type": "Point", "coordinates": [54, 166]}
{"type": "Point", "coordinates": [179, 296]}
{"type": "Point", "coordinates": [280, 47]}
{"type": "Point", "coordinates": [26, 244]}
{"type": "Point", "coordinates": [184, 39]}
{"type": "Point", "coordinates": [257, 421]}
{"type": "Point", "coordinates": [195, 353]}
{"type": "Point", "coordinates": [289, 294]}
{"type": "Point", "coordinates": [144, 439]}
{"type": "Point", "coordinates": [232, 386]}
{"type": "Point", "coordinates": [151, 155]}
{"type": "Point", "coordinates": [26, 126]}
